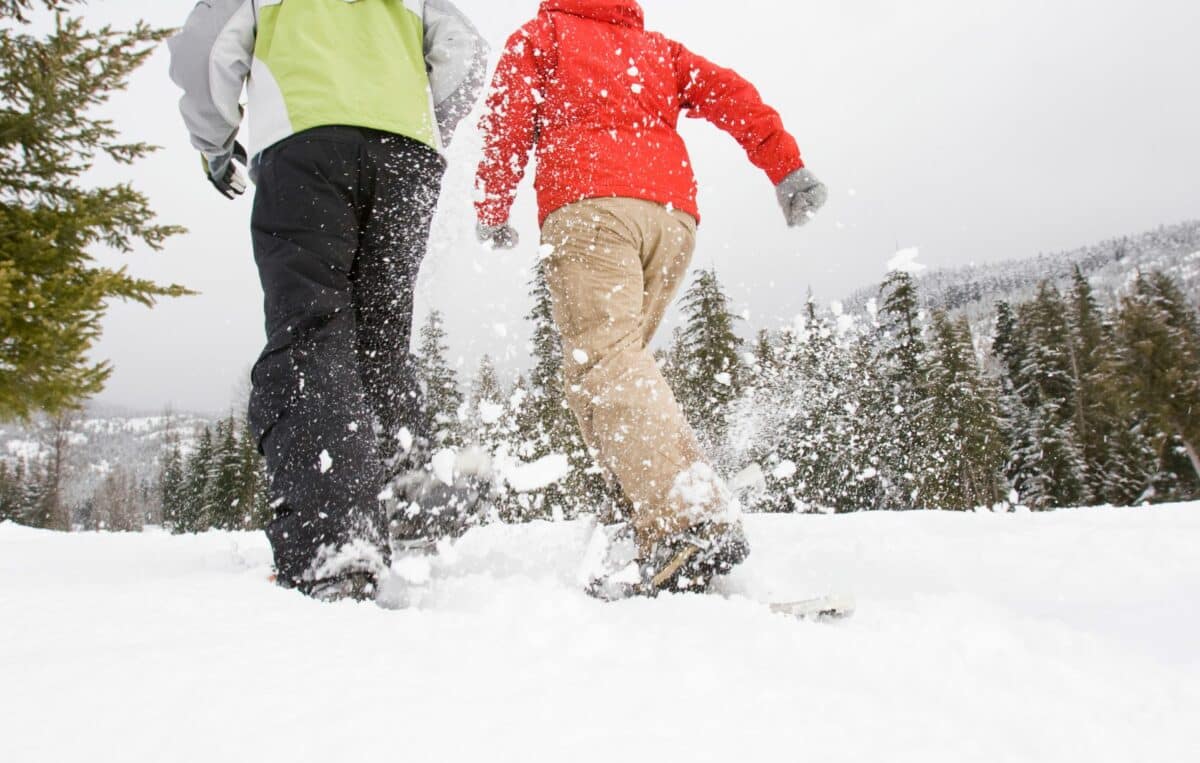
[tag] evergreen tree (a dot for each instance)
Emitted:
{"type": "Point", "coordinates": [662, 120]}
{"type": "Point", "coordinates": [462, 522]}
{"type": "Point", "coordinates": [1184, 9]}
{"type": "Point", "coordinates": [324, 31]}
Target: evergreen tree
{"type": "Point", "coordinates": [195, 514]}
{"type": "Point", "coordinates": [52, 293]}
{"type": "Point", "coordinates": [900, 358]}
{"type": "Point", "coordinates": [1158, 346]}
{"type": "Point", "coordinates": [1008, 350]}
{"type": "Point", "coordinates": [486, 409]}
{"type": "Point", "coordinates": [763, 361]}
{"type": "Point", "coordinates": [253, 495]}
{"type": "Point", "coordinates": [223, 487]}
{"type": "Point", "coordinates": [1090, 343]}
{"type": "Point", "coordinates": [550, 420]}
{"type": "Point", "coordinates": [171, 486]}
{"type": "Point", "coordinates": [12, 484]}
{"type": "Point", "coordinates": [1046, 466]}
{"type": "Point", "coordinates": [33, 499]}
{"type": "Point", "coordinates": [713, 373]}
{"type": "Point", "coordinates": [1006, 346]}
{"type": "Point", "coordinates": [868, 444]}
{"type": "Point", "coordinates": [1131, 463]}
{"type": "Point", "coordinates": [804, 413]}
{"type": "Point", "coordinates": [965, 449]}
{"type": "Point", "coordinates": [900, 323]}
{"type": "Point", "coordinates": [442, 396]}
{"type": "Point", "coordinates": [673, 363]}
{"type": "Point", "coordinates": [486, 387]}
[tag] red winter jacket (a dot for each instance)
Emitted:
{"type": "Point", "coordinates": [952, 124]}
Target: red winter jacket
{"type": "Point", "coordinates": [600, 99]}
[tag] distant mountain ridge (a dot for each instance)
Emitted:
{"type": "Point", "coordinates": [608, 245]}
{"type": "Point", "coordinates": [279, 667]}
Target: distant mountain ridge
{"type": "Point", "coordinates": [1109, 266]}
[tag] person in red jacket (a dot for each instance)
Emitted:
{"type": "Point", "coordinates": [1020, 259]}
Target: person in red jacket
{"type": "Point", "coordinates": [599, 98]}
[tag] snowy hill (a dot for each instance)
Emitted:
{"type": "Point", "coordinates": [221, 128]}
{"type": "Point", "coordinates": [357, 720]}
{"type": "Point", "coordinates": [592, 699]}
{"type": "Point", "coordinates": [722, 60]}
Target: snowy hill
{"type": "Point", "coordinates": [1067, 636]}
{"type": "Point", "coordinates": [1109, 266]}
{"type": "Point", "coordinates": [99, 442]}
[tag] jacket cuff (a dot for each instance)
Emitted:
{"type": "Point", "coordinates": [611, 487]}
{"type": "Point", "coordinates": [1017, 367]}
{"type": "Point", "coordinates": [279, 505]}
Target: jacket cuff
{"type": "Point", "coordinates": [781, 173]}
{"type": "Point", "coordinates": [491, 216]}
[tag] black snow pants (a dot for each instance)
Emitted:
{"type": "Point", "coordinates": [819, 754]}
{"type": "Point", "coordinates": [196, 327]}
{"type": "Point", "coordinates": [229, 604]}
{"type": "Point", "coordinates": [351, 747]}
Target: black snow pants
{"type": "Point", "coordinates": [340, 225]}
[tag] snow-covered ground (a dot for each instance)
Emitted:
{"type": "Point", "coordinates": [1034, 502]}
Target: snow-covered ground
{"type": "Point", "coordinates": [1060, 637]}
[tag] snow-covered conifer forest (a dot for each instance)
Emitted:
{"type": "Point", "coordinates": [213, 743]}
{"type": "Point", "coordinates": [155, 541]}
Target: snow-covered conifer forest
{"type": "Point", "coordinates": [1061, 381]}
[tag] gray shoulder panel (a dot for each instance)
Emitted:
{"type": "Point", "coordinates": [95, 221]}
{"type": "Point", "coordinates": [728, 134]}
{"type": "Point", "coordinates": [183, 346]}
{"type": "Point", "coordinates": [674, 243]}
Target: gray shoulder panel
{"type": "Point", "coordinates": [210, 60]}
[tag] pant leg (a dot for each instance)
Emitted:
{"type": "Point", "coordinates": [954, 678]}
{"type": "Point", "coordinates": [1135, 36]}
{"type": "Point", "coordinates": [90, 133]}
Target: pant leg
{"type": "Point", "coordinates": [307, 403]}
{"type": "Point", "coordinates": [604, 312]}
{"type": "Point", "coordinates": [666, 254]}
{"type": "Point", "coordinates": [408, 179]}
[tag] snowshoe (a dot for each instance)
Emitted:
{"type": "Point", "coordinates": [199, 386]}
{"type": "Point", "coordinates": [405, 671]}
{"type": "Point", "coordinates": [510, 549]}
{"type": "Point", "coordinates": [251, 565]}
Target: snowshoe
{"type": "Point", "coordinates": [686, 564]}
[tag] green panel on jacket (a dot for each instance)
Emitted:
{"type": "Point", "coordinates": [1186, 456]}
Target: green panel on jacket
{"type": "Point", "coordinates": [349, 63]}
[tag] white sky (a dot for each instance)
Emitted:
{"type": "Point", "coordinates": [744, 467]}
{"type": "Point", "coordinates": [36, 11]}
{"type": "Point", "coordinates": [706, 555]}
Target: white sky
{"type": "Point", "coordinates": [975, 130]}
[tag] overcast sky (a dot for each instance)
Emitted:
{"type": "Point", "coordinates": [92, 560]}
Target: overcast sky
{"type": "Point", "coordinates": [974, 130]}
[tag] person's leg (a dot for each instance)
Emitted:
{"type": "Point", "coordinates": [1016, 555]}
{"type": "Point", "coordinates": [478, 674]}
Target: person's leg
{"type": "Point", "coordinates": [408, 179]}
{"type": "Point", "coordinates": [604, 312]}
{"type": "Point", "coordinates": [590, 258]}
{"type": "Point", "coordinates": [307, 404]}
{"type": "Point", "coordinates": [665, 259]}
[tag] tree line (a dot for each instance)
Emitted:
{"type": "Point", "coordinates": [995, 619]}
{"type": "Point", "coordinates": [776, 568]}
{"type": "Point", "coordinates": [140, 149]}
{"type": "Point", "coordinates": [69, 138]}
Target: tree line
{"type": "Point", "coordinates": [1061, 403]}
{"type": "Point", "coordinates": [1058, 401]}
{"type": "Point", "coordinates": [216, 480]}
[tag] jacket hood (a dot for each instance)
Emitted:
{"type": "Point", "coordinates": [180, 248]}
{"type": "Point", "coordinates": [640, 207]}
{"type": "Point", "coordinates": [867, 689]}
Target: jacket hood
{"type": "Point", "coordinates": [620, 12]}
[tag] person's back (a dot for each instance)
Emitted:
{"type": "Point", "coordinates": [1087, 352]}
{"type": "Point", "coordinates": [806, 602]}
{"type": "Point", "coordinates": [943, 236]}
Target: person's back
{"type": "Point", "coordinates": [599, 97]}
{"type": "Point", "coordinates": [612, 90]}
{"type": "Point", "coordinates": [332, 62]}
{"type": "Point", "coordinates": [407, 68]}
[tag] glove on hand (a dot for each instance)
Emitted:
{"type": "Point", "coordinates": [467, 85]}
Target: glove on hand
{"type": "Point", "coordinates": [224, 174]}
{"type": "Point", "coordinates": [499, 236]}
{"type": "Point", "coordinates": [801, 195]}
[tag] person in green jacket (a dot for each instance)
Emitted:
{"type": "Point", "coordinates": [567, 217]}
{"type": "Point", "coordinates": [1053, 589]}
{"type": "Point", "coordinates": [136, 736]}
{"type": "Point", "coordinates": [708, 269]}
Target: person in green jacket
{"type": "Point", "coordinates": [350, 104]}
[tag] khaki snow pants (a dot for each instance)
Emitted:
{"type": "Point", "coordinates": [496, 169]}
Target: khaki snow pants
{"type": "Point", "coordinates": [616, 266]}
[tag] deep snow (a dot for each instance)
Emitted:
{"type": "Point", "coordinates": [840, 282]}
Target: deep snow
{"type": "Point", "coordinates": [1059, 637]}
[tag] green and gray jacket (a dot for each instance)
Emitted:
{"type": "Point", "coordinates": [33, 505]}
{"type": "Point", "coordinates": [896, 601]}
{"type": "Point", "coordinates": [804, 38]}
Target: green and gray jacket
{"type": "Point", "coordinates": [409, 67]}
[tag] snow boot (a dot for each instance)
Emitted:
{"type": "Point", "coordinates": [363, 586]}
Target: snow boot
{"type": "Point", "coordinates": [438, 500]}
{"type": "Point", "coordinates": [687, 563]}
{"type": "Point", "coordinates": [350, 571]}
{"type": "Point", "coordinates": [354, 586]}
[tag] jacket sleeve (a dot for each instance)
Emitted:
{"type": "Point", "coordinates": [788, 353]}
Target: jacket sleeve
{"type": "Point", "coordinates": [509, 124]}
{"type": "Point", "coordinates": [456, 57]}
{"type": "Point", "coordinates": [726, 99]}
{"type": "Point", "coordinates": [210, 60]}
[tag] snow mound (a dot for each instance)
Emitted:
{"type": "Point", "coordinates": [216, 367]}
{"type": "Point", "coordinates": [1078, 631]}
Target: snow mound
{"type": "Point", "coordinates": [983, 637]}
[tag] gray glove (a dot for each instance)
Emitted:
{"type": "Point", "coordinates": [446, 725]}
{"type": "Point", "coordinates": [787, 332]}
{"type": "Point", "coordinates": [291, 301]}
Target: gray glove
{"type": "Point", "coordinates": [498, 236]}
{"type": "Point", "coordinates": [801, 195]}
{"type": "Point", "coordinates": [223, 172]}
